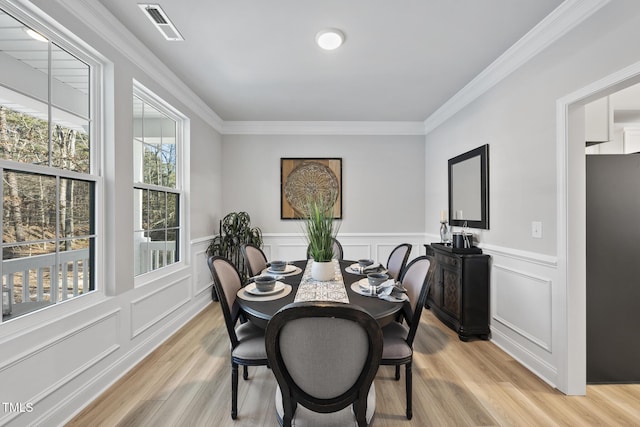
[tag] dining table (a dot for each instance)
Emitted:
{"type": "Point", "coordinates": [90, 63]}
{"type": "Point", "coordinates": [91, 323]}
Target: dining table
{"type": "Point", "coordinates": [260, 309]}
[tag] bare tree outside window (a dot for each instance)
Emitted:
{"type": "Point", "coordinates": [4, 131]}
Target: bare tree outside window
{"type": "Point", "coordinates": [45, 161]}
{"type": "Point", "coordinates": [156, 188]}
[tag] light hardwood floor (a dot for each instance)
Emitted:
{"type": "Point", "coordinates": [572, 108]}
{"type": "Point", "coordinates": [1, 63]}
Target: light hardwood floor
{"type": "Point", "coordinates": [186, 382]}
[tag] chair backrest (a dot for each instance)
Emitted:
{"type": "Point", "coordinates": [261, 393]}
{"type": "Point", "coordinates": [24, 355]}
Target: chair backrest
{"type": "Point", "coordinates": [324, 356]}
{"type": "Point", "coordinates": [254, 258]}
{"type": "Point", "coordinates": [398, 260]}
{"type": "Point", "coordinates": [416, 280]}
{"type": "Point", "coordinates": [227, 282]}
{"type": "Point", "coordinates": [337, 250]}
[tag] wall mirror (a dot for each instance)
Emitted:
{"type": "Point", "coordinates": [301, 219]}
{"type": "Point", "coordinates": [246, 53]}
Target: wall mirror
{"type": "Point", "coordinates": [469, 189]}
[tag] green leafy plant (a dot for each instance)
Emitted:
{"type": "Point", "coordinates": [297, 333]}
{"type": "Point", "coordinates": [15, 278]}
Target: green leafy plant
{"type": "Point", "coordinates": [320, 227]}
{"type": "Point", "coordinates": [235, 230]}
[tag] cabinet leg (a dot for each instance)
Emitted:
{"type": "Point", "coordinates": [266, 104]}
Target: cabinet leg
{"type": "Point", "coordinates": [463, 338]}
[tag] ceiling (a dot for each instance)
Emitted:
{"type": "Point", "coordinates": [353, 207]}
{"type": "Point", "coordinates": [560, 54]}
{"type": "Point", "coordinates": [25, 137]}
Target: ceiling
{"type": "Point", "coordinates": [256, 60]}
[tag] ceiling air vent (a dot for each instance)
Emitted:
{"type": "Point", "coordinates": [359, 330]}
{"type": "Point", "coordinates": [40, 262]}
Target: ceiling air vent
{"type": "Point", "coordinates": [162, 22]}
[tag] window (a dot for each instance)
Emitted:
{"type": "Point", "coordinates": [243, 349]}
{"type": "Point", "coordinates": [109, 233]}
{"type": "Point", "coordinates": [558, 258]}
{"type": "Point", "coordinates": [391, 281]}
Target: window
{"type": "Point", "coordinates": [47, 163]}
{"type": "Point", "coordinates": [157, 136]}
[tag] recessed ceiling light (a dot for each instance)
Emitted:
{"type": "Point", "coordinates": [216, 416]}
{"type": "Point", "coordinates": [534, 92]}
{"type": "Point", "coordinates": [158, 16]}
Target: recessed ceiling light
{"type": "Point", "coordinates": [34, 34]}
{"type": "Point", "coordinates": [330, 38]}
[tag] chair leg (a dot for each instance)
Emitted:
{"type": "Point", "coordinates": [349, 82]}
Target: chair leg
{"type": "Point", "coordinates": [234, 391]}
{"type": "Point", "coordinates": [397, 372]}
{"type": "Point", "coordinates": [409, 385]}
{"type": "Point", "coordinates": [245, 372]}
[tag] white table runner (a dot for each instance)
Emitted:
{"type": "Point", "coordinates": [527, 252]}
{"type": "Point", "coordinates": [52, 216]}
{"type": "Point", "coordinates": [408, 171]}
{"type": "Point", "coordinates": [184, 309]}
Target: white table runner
{"type": "Point", "coordinates": [314, 290]}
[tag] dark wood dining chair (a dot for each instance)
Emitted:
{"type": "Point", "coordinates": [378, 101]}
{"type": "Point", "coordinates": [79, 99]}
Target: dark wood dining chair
{"type": "Point", "coordinates": [324, 356]}
{"type": "Point", "coordinates": [247, 340]}
{"type": "Point", "coordinates": [337, 250]}
{"type": "Point", "coordinates": [254, 259]}
{"type": "Point", "coordinates": [398, 336]}
{"type": "Point", "coordinates": [398, 260]}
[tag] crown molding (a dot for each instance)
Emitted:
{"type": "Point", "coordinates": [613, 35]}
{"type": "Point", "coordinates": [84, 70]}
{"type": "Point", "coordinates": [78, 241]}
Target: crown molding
{"type": "Point", "coordinates": [93, 14]}
{"type": "Point", "coordinates": [559, 22]}
{"type": "Point", "coordinates": [321, 128]}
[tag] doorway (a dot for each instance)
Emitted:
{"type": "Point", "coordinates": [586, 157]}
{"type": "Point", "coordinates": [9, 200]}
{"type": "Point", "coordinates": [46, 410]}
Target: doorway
{"type": "Point", "coordinates": [571, 218]}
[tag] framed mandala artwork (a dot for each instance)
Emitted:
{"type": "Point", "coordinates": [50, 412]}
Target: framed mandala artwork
{"type": "Point", "coordinates": [304, 178]}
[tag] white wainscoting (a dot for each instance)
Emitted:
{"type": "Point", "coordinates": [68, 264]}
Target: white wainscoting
{"type": "Point", "coordinates": [73, 352]}
{"type": "Point", "coordinates": [522, 307]}
{"type": "Point", "coordinates": [377, 246]}
{"type": "Point", "coordinates": [149, 310]}
{"type": "Point", "coordinates": [523, 311]}
{"type": "Point", "coordinates": [515, 293]}
{"type": "Point", "coordinates": [85, 346]}
{"type": "Point", "coordinates": [203, 281]}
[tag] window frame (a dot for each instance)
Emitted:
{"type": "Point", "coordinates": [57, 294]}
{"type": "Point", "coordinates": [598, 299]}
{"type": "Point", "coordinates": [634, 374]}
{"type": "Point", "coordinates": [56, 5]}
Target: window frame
{"type": "Point", "coordinates": [57, 35]}
{"type": "Point", "coordinates": [153, 100]}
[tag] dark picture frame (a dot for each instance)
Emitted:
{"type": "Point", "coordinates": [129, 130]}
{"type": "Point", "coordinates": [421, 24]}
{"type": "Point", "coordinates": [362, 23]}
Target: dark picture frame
{"type": "Point", "coordinates": [301, 177]}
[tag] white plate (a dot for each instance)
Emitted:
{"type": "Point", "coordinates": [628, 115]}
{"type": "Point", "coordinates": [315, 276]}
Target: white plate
{"type": "Point", "coordinates": [288, 269]}
{"type": "Point", "coordinates": [251, 289]}
{"type": "Point", "coordinates": [364, 283]}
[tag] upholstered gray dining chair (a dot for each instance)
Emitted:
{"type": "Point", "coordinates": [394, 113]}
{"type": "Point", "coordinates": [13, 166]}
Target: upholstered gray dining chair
{"type": "Point", "coordinates": [398, 337]}
{"type": "Point", "coordinates": [247, 340]}
{"type": "Point", "coordinates": [254, 259]}
{"type": "Point", "coordinates": [337, 250]}
{"type": "Point", "coordinates": [324, 356]}
{"type": "Point", "coordinates": [398, 260]}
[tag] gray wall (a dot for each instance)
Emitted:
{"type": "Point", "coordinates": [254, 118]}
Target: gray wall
{"type": "Point", "coordinates": [538, 308]}
{"type": "Point", "coordinates": [382, 179]}
{"type": "Point", "coordinates": [517, 118]}
{"type": "Point", "coordinates": [205, 198]}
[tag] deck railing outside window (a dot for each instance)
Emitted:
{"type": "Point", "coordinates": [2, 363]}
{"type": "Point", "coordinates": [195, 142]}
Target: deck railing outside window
{"type": "Point", "coordinates": [30, 279]}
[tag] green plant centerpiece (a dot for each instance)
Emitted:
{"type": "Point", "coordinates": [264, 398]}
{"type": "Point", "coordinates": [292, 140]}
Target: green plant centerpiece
{"type": "Point", "coordinates": [321, 230]}
{"type": "Point", "coordinates": [235, 230]}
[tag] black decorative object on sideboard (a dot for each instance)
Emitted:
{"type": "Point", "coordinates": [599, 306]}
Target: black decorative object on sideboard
{"type": "Point", "coordinates": [459, 293]}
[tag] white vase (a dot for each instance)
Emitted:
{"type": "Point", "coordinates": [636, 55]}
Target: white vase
{"type": "Point", "coordinates": [322, 271]}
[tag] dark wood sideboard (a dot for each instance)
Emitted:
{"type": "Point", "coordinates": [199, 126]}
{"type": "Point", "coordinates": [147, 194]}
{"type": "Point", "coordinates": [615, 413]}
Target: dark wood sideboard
{"type": "Point", "coordinates": [459, 293]}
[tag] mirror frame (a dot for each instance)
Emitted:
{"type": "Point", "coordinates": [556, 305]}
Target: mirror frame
{"type": "Point", "coordinates": [483, 153]}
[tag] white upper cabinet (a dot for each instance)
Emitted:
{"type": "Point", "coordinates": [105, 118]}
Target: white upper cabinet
{"type": "Point", "coordinates": [598, 121]}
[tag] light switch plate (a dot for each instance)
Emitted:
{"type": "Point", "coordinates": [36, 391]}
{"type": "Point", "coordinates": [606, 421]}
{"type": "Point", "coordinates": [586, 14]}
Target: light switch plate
{"type": "Point", "coordinates": [536, 229]}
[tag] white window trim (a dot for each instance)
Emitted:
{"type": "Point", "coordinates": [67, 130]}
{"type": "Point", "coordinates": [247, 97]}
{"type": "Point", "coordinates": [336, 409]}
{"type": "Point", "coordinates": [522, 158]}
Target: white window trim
{"type": "Point", "coordinates": [35, 18]}
{"type": "Point", "coordinates": [182, 181]}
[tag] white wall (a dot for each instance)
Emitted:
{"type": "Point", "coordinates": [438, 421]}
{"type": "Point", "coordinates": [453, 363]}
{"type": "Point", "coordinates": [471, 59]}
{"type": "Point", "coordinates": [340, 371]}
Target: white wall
{"type": "Point", "coordinates": [60, 358]}
{"type": "Point", "coordinates": [517, 117]}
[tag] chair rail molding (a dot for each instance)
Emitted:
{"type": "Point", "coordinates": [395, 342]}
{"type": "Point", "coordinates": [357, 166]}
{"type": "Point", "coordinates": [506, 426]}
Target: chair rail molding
{"type": "Point", "coordinates": [355, 245]}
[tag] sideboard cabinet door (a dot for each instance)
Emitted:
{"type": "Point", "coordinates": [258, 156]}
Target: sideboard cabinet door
{"type": "Point", "coordinates": [459, 294]}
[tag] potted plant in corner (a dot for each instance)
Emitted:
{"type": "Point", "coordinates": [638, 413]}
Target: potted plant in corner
{"type": "Point", "coordinates": [235, 230]}
{"type": "Point", "coordinates": [321, 230]}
